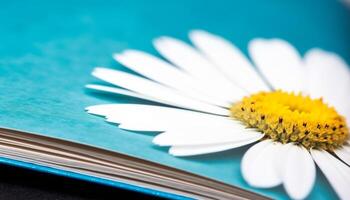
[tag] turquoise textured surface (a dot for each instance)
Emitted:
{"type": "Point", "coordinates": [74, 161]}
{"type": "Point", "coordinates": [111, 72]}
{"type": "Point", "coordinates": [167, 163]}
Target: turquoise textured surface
{"type": "Point", "coordinates": [48, 50]}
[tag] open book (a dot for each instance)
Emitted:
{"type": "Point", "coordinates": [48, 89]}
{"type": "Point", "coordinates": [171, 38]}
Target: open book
{"type": "Point", "coordinates": [44, 70]}
{"type": "Point", "coordinates": [96, 162]}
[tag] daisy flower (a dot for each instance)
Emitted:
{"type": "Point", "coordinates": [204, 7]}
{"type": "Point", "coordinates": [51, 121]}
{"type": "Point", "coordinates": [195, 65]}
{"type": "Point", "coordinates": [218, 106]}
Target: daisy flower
{"type": "Point", "coordinates": [293, 110]}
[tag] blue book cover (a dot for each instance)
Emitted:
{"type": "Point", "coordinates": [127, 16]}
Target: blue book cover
{"type": "Point", "coordinates": [49, 49]}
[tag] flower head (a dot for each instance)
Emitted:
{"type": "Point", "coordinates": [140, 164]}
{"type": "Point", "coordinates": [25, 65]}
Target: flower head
{"type": "Point", "coordinates": [295, 109]}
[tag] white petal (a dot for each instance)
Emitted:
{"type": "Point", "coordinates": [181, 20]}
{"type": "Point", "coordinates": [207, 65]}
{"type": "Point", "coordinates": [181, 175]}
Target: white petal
{"type": "Point", "coordinates": [199, 135]}
{"type": "Point", "coordinates": [279, 62]}
{"type": "Point", "coordinates": [336, 172]}
{"type": "Point", "coordinates": [299, 172]}
{"type": "Point", "coordinates": [329, 77]}
{"type": "Point", "coordinates": [344, 153]}
{"type": "Point", "coordinates": [260, 164]}
{"type": "Point", "coordinates": [165, 73]}
{"type": "Point", "coordinates": [157, 118]}
{"type": "Point", "coordinates": [204, 149]}
{"type": "Point", "coordinates": [178, 122]}
{"type": "Point", "coordinates": [119, 91]}
{"type": "Point", "coordinates": [230, 60]}
{"type": "Point", "coordinates": [191, 61]}
{"type": "Point", "coordinates": [154, 90]}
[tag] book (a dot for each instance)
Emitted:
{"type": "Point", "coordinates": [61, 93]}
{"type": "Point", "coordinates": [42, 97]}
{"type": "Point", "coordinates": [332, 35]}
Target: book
{"type": "Point", "coordinates": [47, 55]}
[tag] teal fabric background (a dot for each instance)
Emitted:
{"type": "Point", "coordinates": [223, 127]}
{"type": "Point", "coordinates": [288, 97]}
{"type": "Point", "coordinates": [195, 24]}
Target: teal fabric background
{"type": "Point", "coordinates": [48, 49]}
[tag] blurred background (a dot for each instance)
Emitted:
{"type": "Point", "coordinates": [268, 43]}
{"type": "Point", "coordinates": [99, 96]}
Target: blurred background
{"type": "Point", "coordinates": [46, 36]}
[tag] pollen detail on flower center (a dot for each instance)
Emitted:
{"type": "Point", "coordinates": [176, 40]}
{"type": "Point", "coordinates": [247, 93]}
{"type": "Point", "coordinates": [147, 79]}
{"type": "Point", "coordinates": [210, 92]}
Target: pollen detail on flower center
{"type": "Point", "coordinates": [289, 117]}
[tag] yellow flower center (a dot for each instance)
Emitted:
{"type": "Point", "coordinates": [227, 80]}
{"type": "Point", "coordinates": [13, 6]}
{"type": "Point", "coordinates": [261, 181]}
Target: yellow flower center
{"type": "Point", "coordinates": [289, 117]}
